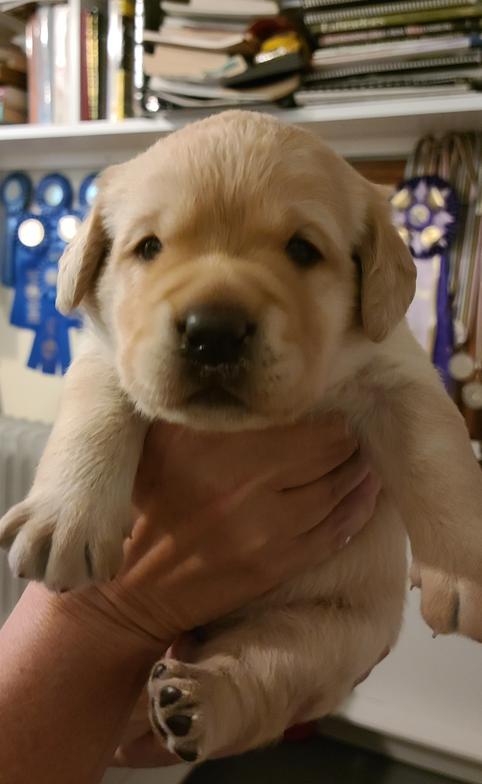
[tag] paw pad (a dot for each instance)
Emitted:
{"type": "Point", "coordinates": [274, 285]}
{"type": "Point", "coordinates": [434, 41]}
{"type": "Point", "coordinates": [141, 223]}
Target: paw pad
{"type": "Point", "coordinates": [169, 695]}
{"type": "Point", "coordinates": [179, 724]}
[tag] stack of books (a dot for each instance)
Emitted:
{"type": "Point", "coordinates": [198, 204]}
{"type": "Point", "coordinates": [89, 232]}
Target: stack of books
{"type": "Point", "coordinates": [363, 51]}
{"type": "Point", "coordinates": [72, 72]}
{"type": "Point", "coordinates": [13, 79]}
{"type": "Point", "coordinates": [208, 53]}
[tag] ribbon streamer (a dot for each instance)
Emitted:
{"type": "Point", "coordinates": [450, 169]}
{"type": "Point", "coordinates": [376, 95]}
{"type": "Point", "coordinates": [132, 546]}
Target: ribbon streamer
{"type": "Point", "coordinates": [425, 212]}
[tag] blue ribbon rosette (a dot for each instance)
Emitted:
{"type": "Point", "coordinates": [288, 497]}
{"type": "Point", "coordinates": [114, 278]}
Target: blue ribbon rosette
{"type": "Point", "coordinates": [33, 244]}
{"type": "Point", "coordinates": [15, 193]}
{"type": "Point", "coordinates": [425, 211]}
{"type": "Point", "coordinates": [51, 347]}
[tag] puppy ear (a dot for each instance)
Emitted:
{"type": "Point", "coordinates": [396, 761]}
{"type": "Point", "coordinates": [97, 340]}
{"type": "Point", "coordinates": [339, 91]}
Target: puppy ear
{"type": "Point", "coordinates": [83, 256]}
{"type": "Point", "coordinates": [388, 273]}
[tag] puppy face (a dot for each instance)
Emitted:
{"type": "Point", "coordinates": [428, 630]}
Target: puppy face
{"type": "Point", "coordinates": [230, 275]}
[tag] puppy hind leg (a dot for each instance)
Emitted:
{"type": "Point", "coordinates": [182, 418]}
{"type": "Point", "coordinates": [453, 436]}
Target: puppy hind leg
{"type": "Point", "coordinates": [252, 681]}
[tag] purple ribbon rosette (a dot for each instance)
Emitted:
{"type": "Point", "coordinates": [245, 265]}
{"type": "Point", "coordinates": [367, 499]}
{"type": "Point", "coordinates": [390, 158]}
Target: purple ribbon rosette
{"type": "Point", "coordinates": [425, 211]}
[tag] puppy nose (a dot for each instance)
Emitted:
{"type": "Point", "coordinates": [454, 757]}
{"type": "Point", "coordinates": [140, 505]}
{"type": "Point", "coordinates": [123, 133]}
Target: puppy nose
{"type": "Point", "coordinates": [215, 335]}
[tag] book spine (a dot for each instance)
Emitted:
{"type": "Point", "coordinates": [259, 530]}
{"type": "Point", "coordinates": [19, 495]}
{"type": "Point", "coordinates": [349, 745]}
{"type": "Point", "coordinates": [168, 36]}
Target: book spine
{"type": "Point", "coordinates": [14, 98]}
{"type": "Point", "coordinates": [84, 100]}
{"type": "Point", "coordinates": [120, 50]}
{"type": "Point", "coordinates": [102, 57]}
{"type": "Point", "coordinates": [138, 59]}
{"type": "Point", "coordinates": [9, 115]}
{"type": "Point", "coordinates": [92, 64]}
{"type": "Point", "coordinates": [31, 44]}
{"type": "Point", "coordinates": [45, 107]}
{"type": "Point", "coordinates": [60, 70]}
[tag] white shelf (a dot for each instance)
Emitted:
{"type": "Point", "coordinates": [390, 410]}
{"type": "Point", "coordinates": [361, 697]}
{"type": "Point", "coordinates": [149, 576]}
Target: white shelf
{"type": "Point", "coordinates": [369, 129]}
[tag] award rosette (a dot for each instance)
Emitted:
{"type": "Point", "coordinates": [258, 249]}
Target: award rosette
{"type": "Point", "coordinates": [15, 192]}
{"type": "Point", "coordinates": [425, 211]}
{"type": "Point", "coordinates": [87, 193]}
{"type": "Point", "coordinates": [39, 241]}
{"type": "Point", "coordinates": [31, 244]}
{"type": "Point", "coordinates": [51, 347]}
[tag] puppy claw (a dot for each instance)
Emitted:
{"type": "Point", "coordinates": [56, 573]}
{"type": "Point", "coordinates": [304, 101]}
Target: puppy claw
{"type": "Point", "coordinates": [53, 542]}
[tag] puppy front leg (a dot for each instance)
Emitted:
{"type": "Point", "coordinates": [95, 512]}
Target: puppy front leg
{"type": "Point", "coordinates": [70, 528]}
{"type": "Point", "coordinates": [252, 681]}
{"type": "Point", "coordinates": [421, 448]}
{"type": "Point", "coordinates": [448, 604]}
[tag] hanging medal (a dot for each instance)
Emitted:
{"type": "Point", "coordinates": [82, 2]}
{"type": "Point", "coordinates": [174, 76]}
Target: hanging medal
{"type": "Point", "coordinates": [464, 368]}
{"type": "Point", "coordinates": [54, 196]}
{"type": "Point", "coordinates": [87, 194]}
{"type": "Point", "coordinates": [51, 347]}
{"type": "Point", "coordinates": [425, 212]}
{"type": "Point", "coordinates": [15, 192]}
{"type": "Point", "coordinates": [31, 245]}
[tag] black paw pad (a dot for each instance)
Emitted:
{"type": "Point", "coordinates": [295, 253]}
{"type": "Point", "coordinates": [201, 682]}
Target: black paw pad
{"type": "Point", "coordinates": [179, 725]}
{"type": "Point", "coordinates": [169, 695]}
{"type": "Point", "coordinates": [188, 755]}
{"type": "Point", "coordinates": [159, 669]}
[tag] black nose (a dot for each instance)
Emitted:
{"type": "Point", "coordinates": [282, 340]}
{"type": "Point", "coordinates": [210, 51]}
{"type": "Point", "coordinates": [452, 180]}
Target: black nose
{"type": "Point", "coordinates": [215, 335]}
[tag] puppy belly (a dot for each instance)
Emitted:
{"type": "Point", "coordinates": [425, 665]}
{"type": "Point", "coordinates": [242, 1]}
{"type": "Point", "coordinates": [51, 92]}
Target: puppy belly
{"type": "Point", "coordinates": [292, 656]}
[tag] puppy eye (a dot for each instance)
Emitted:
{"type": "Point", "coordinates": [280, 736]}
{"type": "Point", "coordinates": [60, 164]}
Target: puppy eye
{"type": "Point", "coordinates": [149, 247]}
{"type": "Point", "coordinates": [302, 252]}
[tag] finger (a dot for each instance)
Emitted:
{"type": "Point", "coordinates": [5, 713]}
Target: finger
{"type": "Point", "coordinates": [144, 752]}
{"type": "Point", "coordinates": [309, 504]}
{"type": "Point", "coordinates": [309, 451]}
{"type": "Point", "coordinates": [278, 455]}
{"type": "Point", "coordinates": [337, 530]}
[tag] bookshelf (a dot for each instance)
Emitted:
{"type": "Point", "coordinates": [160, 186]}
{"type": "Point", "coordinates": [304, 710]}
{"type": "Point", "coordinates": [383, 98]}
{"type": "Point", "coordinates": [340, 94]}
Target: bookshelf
{"type": "Point", "coordinates": [373, 129]}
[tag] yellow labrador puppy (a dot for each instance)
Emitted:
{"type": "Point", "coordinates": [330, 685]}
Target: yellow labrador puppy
{"type": "Point", "coordinates": [240, 274]}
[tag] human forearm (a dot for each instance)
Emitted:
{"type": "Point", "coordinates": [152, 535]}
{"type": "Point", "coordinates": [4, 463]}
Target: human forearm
{"type": "Point", "coordinates": [65, 727]}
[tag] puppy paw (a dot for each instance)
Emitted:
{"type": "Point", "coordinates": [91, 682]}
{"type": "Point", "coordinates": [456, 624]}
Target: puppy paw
{"type": "Point", "coordinates": [62, 544]}
{"type": "Point", "coordinates": [449, 605]}
{"type": "Point", "coordinates": [181, 708]}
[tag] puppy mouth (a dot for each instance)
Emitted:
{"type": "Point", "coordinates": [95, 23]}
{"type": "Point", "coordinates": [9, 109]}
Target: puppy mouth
{"type": "Point", "coordinates": [215, 396]}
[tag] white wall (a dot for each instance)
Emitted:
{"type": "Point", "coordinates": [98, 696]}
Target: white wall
{"type": "Point", "coordinates": [24, 393]}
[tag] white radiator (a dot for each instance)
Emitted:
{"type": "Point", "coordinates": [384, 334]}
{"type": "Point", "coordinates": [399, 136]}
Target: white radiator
{"type": "Point", "coordinates": [21, 444]}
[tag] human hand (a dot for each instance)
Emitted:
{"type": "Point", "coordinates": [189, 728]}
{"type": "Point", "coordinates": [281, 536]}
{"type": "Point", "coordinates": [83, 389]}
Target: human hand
{"type": "Point", "coordinates": [227, 517]}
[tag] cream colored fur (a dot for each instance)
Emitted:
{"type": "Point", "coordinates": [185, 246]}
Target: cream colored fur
{"type": "Point", "coordinates": [225, 195]}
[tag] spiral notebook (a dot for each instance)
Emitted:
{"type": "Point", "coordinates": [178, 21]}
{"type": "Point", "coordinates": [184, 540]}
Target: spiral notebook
{"type": "Point", "coordinates": [470, 58]}
{"type": "Point", "coordinates": [382, 9]}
